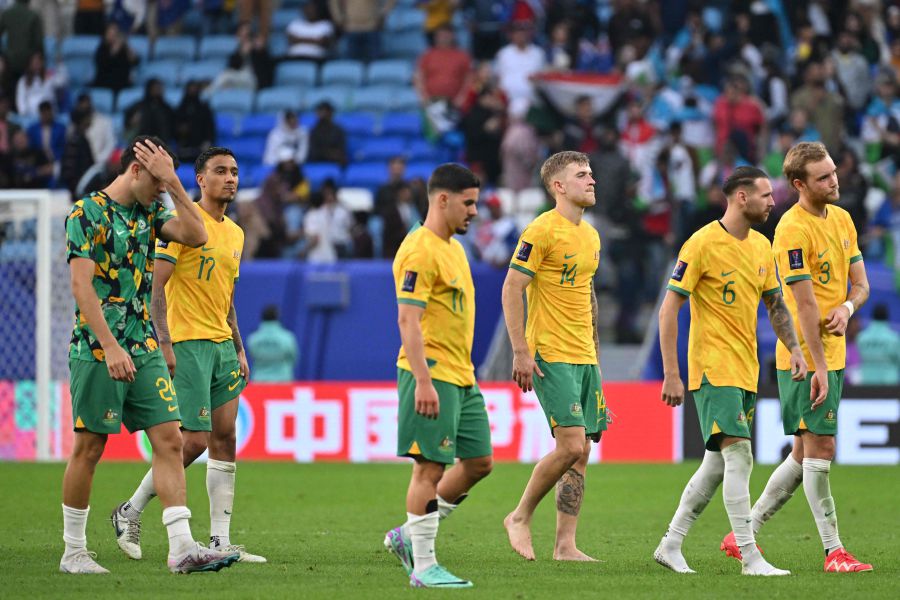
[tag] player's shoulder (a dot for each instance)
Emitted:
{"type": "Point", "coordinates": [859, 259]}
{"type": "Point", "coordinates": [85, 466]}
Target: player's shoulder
{"type": "Point", "coordinates": [91, 206]}
{"type": "Point", "coordinates": [233, 228]}
{"type": "Point", "coordinates": [841, 216]}
{"type": "Point", "coordinates": [416, 245]}
{"type": "Point", "coordinates": [759, 241]}
{"type": "Point", "coordinates": [791, 223]}
{"type": "Point", "coordinates": [539, 227]}
{"type": "Point", "coordinates": [703, 235]}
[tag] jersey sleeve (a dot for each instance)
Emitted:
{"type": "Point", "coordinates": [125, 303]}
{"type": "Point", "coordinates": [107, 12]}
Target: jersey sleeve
{"type": "Point", "coordinates": [161, 215]}
{"type": "Point", "coordinates": [771, 284]}
{"type": "Point", "coordinates": [240, 249]}
{"type": "Point", "coordinates": [415, 279]}
{"type": "Point", "coordinates": [792, 248]}
{"type": "Point", "coordinates": [687, 270]}
{"type": "Point", "coordinates": [530, 251]}
{"type": "Point", "coordinates": [855, 252]}
{"type": "Point", "coordinates": [165, 250]}
{"type": "Point", "coordinates": [82, 232]}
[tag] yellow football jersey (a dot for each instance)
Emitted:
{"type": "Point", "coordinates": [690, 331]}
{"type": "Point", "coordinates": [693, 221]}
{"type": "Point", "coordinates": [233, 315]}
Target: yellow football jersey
{"type": "Point", "coordinates": [725, 277]}
{"type": "Point", "coordinates": [821, 250]}
{"type": "Point", "coordinates": [198, 294]}
{"type": "Point", "coordinates": [435, 275]}
{"type": "Point", "coordinates": [561, 258]}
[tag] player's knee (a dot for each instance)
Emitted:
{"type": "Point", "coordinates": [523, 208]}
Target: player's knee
{"type": "Point", "coordinates": [193, 448]}
{"type": "Point", "coordinates": [571, 450]}
{"type": "Point", "coordinates": [481, 467]}
{"type": "Point", "coordinates": [223, 441]}
{"type": "Point", "coordinates": [89, 450]}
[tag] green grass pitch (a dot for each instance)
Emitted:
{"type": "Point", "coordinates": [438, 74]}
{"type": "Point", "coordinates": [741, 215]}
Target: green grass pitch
{"type": "Point", "coordinates": [321, 527]}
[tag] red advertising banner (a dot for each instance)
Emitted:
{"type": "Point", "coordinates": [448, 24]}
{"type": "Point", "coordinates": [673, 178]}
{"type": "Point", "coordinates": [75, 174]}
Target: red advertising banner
{"type": "Point", "coordinates": [357, 422]}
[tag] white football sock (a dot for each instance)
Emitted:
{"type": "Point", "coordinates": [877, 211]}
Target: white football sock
{"type": "Point", "coordinates": [736, 491]}
{"type": "Point", "coordinates": [697, 494]}
{"type": "Point", "coordinates": [779, 489]}
{"type": "Point", "coordinates": [220, 487]}
{"type": "Point", "coordinates": [141, 497]}
{"type": "Point", "coordinates": [445, 508]}
{"type": "Point", "coordinates": [423, 532]}
{"type": "Point", "coordinates": [177, 522]}
{"type": "Point", "coordinates": [818, 494]}
{"type": "Point", "coordinates": [74, 526]}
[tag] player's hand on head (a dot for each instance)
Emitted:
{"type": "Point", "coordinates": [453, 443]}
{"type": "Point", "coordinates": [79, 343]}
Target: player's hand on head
{"type": "Point", "coordinates": [169, 356]}
{"type": "Point", "coordinates": [673, 391]}
{"type": "Point", "coordinates": [427, 403]}
{"type": "Point", "coordinates": [837, 319]}
{"type": "Point", "coordinates": [119, 364]}
{"type": "Point", "coordinates": [799, 368]}
{"type": "Point", "coordinates": [818, 389]}
{"type": "Point", "coordinates": [155, 159]}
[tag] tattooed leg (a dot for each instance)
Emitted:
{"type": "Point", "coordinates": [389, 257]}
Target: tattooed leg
{"type": "Point", "coordinates": [569, 496]}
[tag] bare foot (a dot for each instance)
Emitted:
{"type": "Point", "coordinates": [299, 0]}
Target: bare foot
{"type": "Point", "coordinates": [519, 537]}
{"type": "Point", "coordinates": [573, 554]}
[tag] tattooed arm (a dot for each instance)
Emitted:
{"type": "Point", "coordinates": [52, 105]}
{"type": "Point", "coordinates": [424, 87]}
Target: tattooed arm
{"type": "Point", "coordinates": [237, 341]}
{"type": "Point", "coordinates": [838, 317]}
{"type": "Point", "coordinates": [595, 321]}
{"type": "Point", "coordinates": [162, 271]}
{"type": "Point", "coordinates": [783, 324]}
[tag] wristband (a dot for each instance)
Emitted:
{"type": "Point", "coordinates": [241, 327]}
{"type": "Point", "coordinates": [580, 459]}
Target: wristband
{"type": "Point", "coordinates": [849, 306]}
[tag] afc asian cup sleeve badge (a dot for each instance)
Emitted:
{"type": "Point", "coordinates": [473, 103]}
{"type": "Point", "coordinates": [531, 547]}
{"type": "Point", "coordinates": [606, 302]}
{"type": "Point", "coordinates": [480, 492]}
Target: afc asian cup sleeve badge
{"type": "Point", "coordinates": [409, 281]}
{"type": "Point", "coordinates": [795, 258]}
{"type": "Point", "coordinates": [678, 271]}
{"type": "Point", "coordinates": [524, 251]}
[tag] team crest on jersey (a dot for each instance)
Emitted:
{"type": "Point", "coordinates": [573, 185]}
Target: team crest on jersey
{"type": "Point", "coordinates": [524, 251]}
{"type": "Point", "coordinates": [409, 281]}
{"type": "Point", "coordinates": [110, 416]}
{"type": "Point", "coordinates": [795, 258]}
{"type": "Point", "coordinates": [678, 272]}
{"type": "Point", "coordinates": [575, 409]}
{"type": "Point", "coordinates": [204, 413]}
{"type": "Point", "coordinates": [237, 254]}
{"type": "Point", "coordinates": [846, 244]}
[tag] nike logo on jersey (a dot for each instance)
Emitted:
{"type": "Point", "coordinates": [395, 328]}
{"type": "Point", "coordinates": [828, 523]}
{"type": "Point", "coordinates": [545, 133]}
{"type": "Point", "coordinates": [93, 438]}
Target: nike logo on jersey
{"type": "Point", "coordinates": [568, 256]}
{"type": "Point", "coordinates": [453, 281]}
{"type": "Point", "coordinates": [205, 249]}
{"type": "Point", "coordinates": [724, 274]}
{"type": "Point", "coordinates": [823, 253]}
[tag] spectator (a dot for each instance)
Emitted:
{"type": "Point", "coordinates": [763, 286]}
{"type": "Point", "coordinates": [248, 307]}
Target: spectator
{"type": "Point", "coordinates": [216, 17]}
{"type": "Point", "coordinates": [879, 350]}
{"type": "Point", "coordinates": [254, 52]}
{"type": "Point", "coordinates": [262, 10]}
{"type": "Point", "coordinates": [89, 17]}
{"type": "Point", "coordinates": [854, 189]}
{"type": "Point", "coordinates": [282, 205]}
{"type": "Point", "coordinates": [519, 150]}
{"type": "Point", "coordinates": [310, 35]}
{"type": "Point", "coordinates": [881, 124]}
{"type": "Point", "coordinates": [24, 33]}
{"type": "Point", "coordinates": [483, 126]}
{"type": "Point", "coordinates": [438, 13]}
{"type": "Point", "coordinates": [496, 235]}
{"type": "Point", "coordinates": [737, 110]}
{"type": "Point", "coordinates": [399, 217]}
{"type": "Point", "coordinates": [386, 194]}
{"type": "Point", "coordinates": [360, 24]}
{"type": "Point", "coordinates": [582, 130]}
{"type": "Point", "coordinates": [114, 60]}
{"type": "Point", "coordinates": [58, 17]}
{"type": "Point", "coordinates": [48, 135]}
{"type": "Point", "coordinates": [518, 61]}
{"type": "Point", "coordinates": [443, 72]}
{"type": "Point", "coordinates": [29, 167]}
{"type": "Point", "coordinates": [682, 178]}
{"type": "Point", "coordinates": [360, 237]}
{"type": "Point", "coordinates": [560, 49]}
{"type": "Point", "coordinates": [237, 75]}
{"type": "Point", "coordinates": [825, 108]}
{"type": "Point", "coordinates": [152, 115]}
{"type": "Point", "coordinates": [7, 83]}
{"type": "Point", "coordinates": [327, 226]}
{"type": "Point", "coordinates": [640, 145]}
{"type": "Point", "coordinates": [487, 20]}
{"type": "Point", "coordinates": [100, 133]}
{"type": "Point", "coordinates": [885, 227]}
{"type": "Point", "coordinates": [76, 157]}
{"type": "Point", "coordinates": [774, 92]}
{"type": "Point", "coordinates": [852, 72]}
{"type": "Point", "coordinates": [613, 171]}
{"type": "Point", "coordinates": [7, 127]}
{"type": "Point", "coordinates": [37, 86]}
{"type": "Point", "coordinates": [195, 126]}
{"type": "Point", "coordinates": [288, 135]}
{"type": "Point", "coordinates": [272, 349]}
{"type": "Point", "coordinates": [327, 139]}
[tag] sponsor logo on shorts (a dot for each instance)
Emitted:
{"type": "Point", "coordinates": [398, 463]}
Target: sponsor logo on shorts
{"type": "Point", "coordinates": [829, 416]}
{"type": "Point", "coordinates": [446, 445]}
{"type": "Point", "coordinates": [409, 281]}
{"type": "Point", "coordinates": [524, 251]}
{"type": "Point", "coordinates": [204, 413]}
{"type": "Point", "coordinates": [575, 409]}
{"type": "Point", "coordinates": [678, 272]}
{"type": "Point", "coordinates": [795, 258]}
{"type": "Point", "coordinates": [110, 416]}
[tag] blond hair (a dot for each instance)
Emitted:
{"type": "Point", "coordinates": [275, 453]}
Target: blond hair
{"type": "Point", "coordinates": [794, 166]}
{"type": "Point", "coordinates": [559, 161]}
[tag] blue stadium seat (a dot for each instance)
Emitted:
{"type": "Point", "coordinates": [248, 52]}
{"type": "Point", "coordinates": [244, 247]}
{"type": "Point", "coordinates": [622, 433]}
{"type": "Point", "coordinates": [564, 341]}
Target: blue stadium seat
{"type": "Point", "coordinates": [367, 175]}
{"type": "Point", "coordinates": [402, 123]}
{"type": "Point", "coordinates": [354, 142]}
{"type": "Point", "coordinates": [164, 70]}
{"type": "Point", "coordinates": [404, 19]}
{"type": "Point", "coordinates": [278, 44]}
{"type": "Point", "coordinates": [226, 125]}
{"type": "Point", "coordinates": [235, 101]}
{"type": "Point", "coordinates": [276, 99]}
{"type": "Point", "coordinates": [295, 73]}
{"type": "Point", "coordinates": [390, 71]}
{"type": "Point", "coordinates": [217, 47]}
{"type": "Point", "coordinates": [424, 151]}
{"type": "Point", "coordinates": [248, 150]}
{"type": "Point", "coordinates": [80, 70]}
{"type": "Point", "coordinates": [281, 18]}
{"type": "Point", "coordinates": [338, 96]}
{"type": "Point", "coordinates": [405, 100]}
{"type": "Point", "coordinates": [420, 169]}
{"type": "Point", "coordinates": [173, 96]}
{"type": "Point", "coordinates": [187, 176]}
{"type": "Point", "coordinates": [175, 47]}
{"type": "Point", "coordinates": [127, 97]}
{"type": "Point", "coordinates": [356, 123]}
{"type": "Point", "coordinates": [342, 72]}
{"type": "Point", "coordinates": [258, 125]}
{"type": "Point", "coordinates": [50, 49]}
{"type": "Point", "coordinates": [405, 45]}
{"type": "Point", "coordinates": [255, 176]}
{"type": "Point", "coordinates": [102, 99]}
{"type": "Point", "coordinates": [79, 46]}
{"type": "Point", "coordinates": [203, 70]}
{"type": "Point", "coordinates": [140, 44]}
{"type": "Point", "coordinates": [317, 173]}
{"type": "Point", "coordinates": [374, 99]}
{"type": "Point", "coordinates": [380, 149]}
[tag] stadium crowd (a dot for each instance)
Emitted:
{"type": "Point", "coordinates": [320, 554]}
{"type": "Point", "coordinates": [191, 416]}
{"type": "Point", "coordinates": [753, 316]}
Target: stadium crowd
{"type": "Point", "coordinates": [339, 110]}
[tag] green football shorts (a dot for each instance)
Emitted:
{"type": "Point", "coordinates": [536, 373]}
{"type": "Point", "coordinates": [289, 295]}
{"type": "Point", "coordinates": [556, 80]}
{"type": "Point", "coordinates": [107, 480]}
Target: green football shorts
{"type": "Point", "coordinates": [723, 409]}
{"type": "Point", "coordinates": [571, 396]}
{"type": "Point", "coordinates": [460, 431]}
{"type": "Point", "coordinates": [796, 414]}
{"type": "Point", "coordinates": [101, 405]}
{"type": "Point", "coordinates": [208, 375]}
